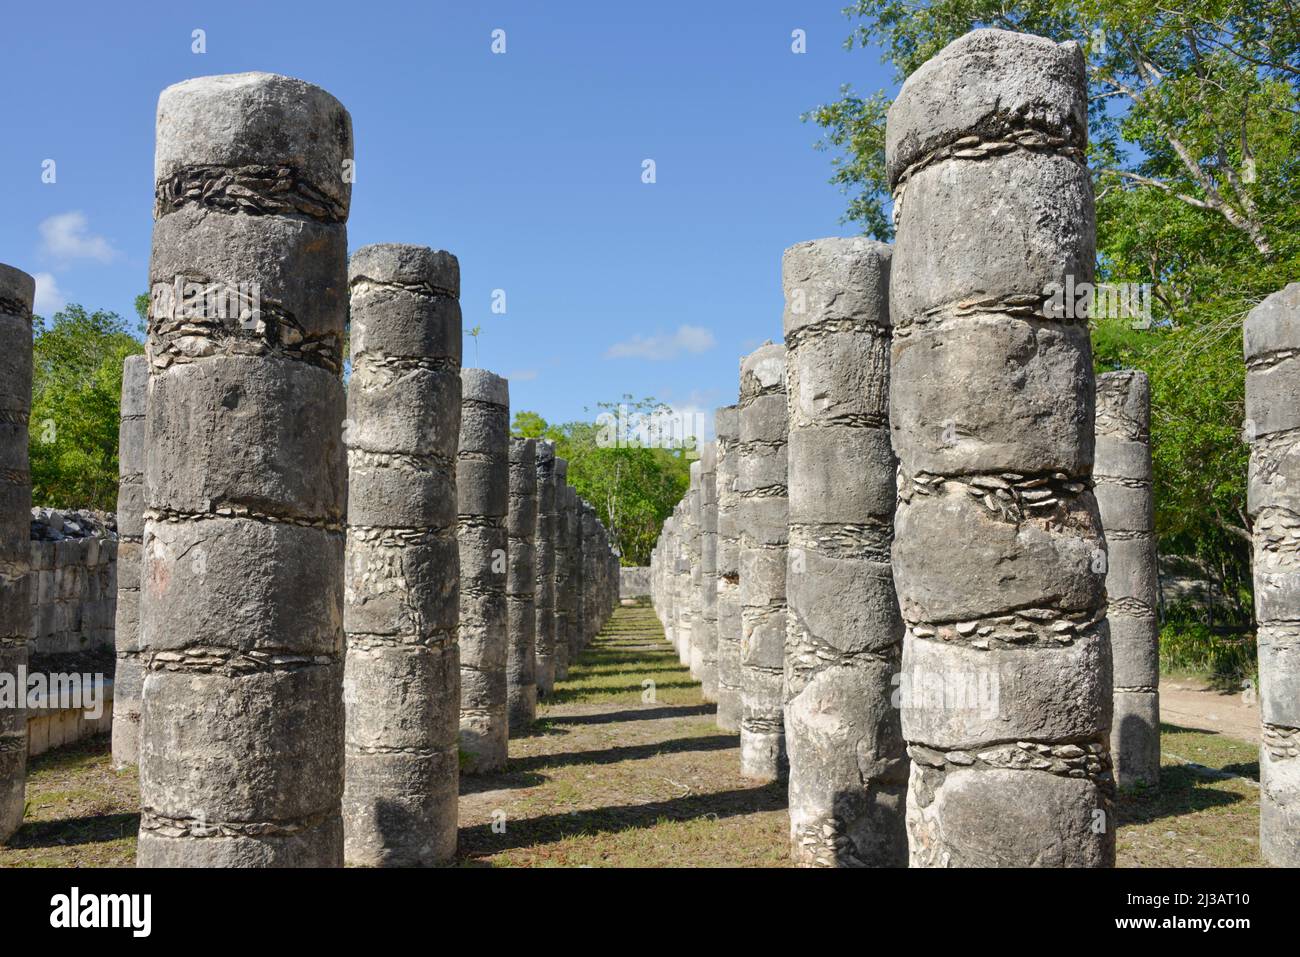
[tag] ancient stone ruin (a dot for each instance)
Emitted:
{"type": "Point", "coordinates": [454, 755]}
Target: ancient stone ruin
{"type": "Point", "coordinates": [844, 636]}
{"type": "Point", "coordinates": [1272, 347]}
{"type": "Point", "coordinates": [521, 584]}
{"type": "Point", "coordinates": [16, 292]}
{"type": "Point", "coordinates": [992, 421]}
{"type": "Point", "coordinates": [241, 606]}
{"type": "Point", "coordinates": [128, 676]}
{"type": "Point", "coordinates": [483, 487]}
{"type": "Point", "coordinates": [544, 552]}
{"type": "Point", "coordinates": [761, 487]}
{"type": "Point", "coordinates": [1122, 481]}
{"type": "Point", "coordinates": [727, 600]}
{"type": "Point", "coordinates": [401, 610]}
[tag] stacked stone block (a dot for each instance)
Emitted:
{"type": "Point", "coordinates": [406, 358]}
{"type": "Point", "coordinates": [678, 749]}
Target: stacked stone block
{"type": "Point", "coordinates": [401, 604]}
{"type": "Point", "coordinates": [16, 292]}
{"type": "Point", "coordinates": [707, 637]}
{"type": "Point", "coordinates": [695, 568]}
{"type": "Point", "coordinates": [563, 571]}
{"type": "Point", "coordinates": [521, 585]}
{"type": "Point", "coordinates": [998, 554]}
{"type": "Point", "coordinates": [482, 488]}
{"type": "Point", "coordinates": [241, 607]}
{"type": "Point", "coordinates": [128, 677]}
{"type": "Point", "coordinates": [1272, 349]}
{"type": "Point", "coordinates": [844, 636]}
{"type": "Point", "coordinates": [1122, 481]}
{"type": "Point", "coordinates": [544, 553]}
{"type": "Point", "coordinates": [761, 486]}
{"type": "Point", "coordinates": [727, 430]}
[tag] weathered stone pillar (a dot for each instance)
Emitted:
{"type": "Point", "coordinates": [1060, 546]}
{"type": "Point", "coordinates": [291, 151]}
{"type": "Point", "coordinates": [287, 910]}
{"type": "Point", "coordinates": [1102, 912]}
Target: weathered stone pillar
{"type": "Point", "coordinates": [401, 688]}
{"type": "Point", "coordinates": [685, 597]}
{"type": "Point", "coordinates": [563, 572]}
{"type": "Point", "coordinates": [590, 575]}
{"type": "Point", "coordinates": [1272, 344]}
{"type": "Point", "coordinates": [241, 603]}
{"type": "Point", "coordinates": [1122, 479]}
{"type": "Point", "coordinates": [16, 292]}
{"type": "Point", "coordinates": [521, 658]}
{"type": "Point", "coordinates": [694, 555]}
{"type": "Point", "coordinates": [577, 639]}
{"type": "Point", "coordinates": [844, 635]}
{"type": "Point", "coordinates": [482, 488]}
{"type": "Point", "coordinates": [707, 638]}
{"type": "Point", "coordinates": [128, 675]}
{"type": "Point", "coordinates": [763, 536]}
{"type": "Point", "coordinates": [998, 552]}
{"type": "Point", "coordinates": [544, 552]}
{"type": "Point", "coordinates": [726, 426]}
{"type": "Point", "coordinates": [573, 577]}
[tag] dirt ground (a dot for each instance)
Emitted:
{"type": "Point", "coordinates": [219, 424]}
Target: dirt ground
{"type": "Point", "coordinates": [626, 767]}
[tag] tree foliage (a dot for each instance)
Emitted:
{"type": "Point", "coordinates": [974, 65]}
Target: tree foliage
{"type": "Point", "coordinates": [1194, 117]}
{"type": "Point", "coordinates": [76, 390]}
{"type": "Point", "coordinates": [633, 488]}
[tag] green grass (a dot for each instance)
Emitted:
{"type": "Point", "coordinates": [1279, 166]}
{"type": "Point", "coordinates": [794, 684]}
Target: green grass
{"type": "Point", "coordinates": [607, 779]}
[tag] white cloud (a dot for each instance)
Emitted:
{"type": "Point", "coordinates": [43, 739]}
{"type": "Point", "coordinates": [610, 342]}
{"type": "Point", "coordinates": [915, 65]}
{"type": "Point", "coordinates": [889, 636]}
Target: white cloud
{"type": "Point", "coordinates": [522, 375]}
{"type": "Point", "coordinates": [49, 297]}
{"type": "Point", "coordinates": [687, 339]}
{"type": "Point", "coordinates": [66, 237]}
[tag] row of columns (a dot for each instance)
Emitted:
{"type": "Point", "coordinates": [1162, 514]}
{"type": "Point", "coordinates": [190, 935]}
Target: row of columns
{"type": "Point", "coordinates": [341, 595]}
{"type": "Point", "coordinates": [905, 514]}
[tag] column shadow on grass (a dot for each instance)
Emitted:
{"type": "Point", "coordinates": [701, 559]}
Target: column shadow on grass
{"type": "Point", "coordinates": [549, 828]}
{"type": "Point", "coordinates": [92, 829]}
{"type": "Point", "coordinates": [1183, 789]}
{"type": "Point", "coordinates": [635, 714]}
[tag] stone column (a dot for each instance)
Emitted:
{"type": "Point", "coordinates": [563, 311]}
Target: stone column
{"type": "Point", "coordinates": [577, 640]}
{"type": "Point", "coordinates": [128, 676]}
{"type": "Point", "coordinates": [521, 656]}
{"type": "Point", "coordinates": [726, 426]}
{"type": "Point", "coordinates": [844, 635]}
{"type": "Point", "coordinates": [562, 572]}
{"type": "Point", "coordinates": [241, 602]}
{"type": "Point", "coordinates": [16, 292]}
{"type": "Point", "coordinates": [1272, 345]}
{"type": "Point", "coordinates": [590, 575]}
{"type": "Point", "coordinates": [1122, 479]}
{"type": "Point", "coordinates": [688, 568]}
{"type": "Point", "coordinates": [763, 536]}
{"type": "Point", "coordinates": [573, 574]}
{"type": "Point", "coordinates": [482, 489]}
{"type": "Point", "coordinates": [707, 638]}
{"type": "Point", "coordinates": [544, 552]}
{"type": "Point", "coordinates": [401, 606]}
{"type": "Point", "coordinates": [998, 553]}
{"type": "Point", "coordinates": [694, 550]}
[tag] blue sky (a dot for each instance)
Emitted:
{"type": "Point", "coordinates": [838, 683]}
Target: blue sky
{"type": "Point", "coordinates": [526, 165]}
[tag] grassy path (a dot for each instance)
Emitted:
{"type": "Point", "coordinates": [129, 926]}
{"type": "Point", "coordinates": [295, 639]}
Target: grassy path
{"type": "Point", "coordinates": [614, 775]}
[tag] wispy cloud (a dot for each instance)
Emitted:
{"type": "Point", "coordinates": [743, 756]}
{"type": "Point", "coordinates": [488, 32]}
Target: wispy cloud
{"type": "Point", "coordinates": [49, 297]}
{"type": "Point", "coordinates": [67, 236]}
{"type": "Point", "coordinates": [686, 340]}
{"type": "Point", "coordinates": [523, 375]}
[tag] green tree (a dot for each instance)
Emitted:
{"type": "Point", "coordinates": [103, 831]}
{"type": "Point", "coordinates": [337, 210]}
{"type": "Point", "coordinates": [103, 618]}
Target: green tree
{"type": "Point", "coordinates": [1194, 116]}
{"type": "Point", "coordinates": [632, 487]}
{"type": "Point", "coordinates": [76, 391]}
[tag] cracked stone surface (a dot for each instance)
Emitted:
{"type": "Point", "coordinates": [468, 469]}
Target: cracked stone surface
{"type": "Point", "coordinates": [483, 492]}
{"type": "Point", "coordinates": [241, 602]}
{"type": "Point", "coordinates": [401, 593]}
{"type": "Point", "coordinates": [128, 676]}
{"type": "Point", "coordinates": [844, 635]}
{"type": "Point", "coordinates": [17, 290]}
{"type": "Point", "coordinates": [1272, 351]}
{"type": "Point", "coordinates": [998, 554]}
